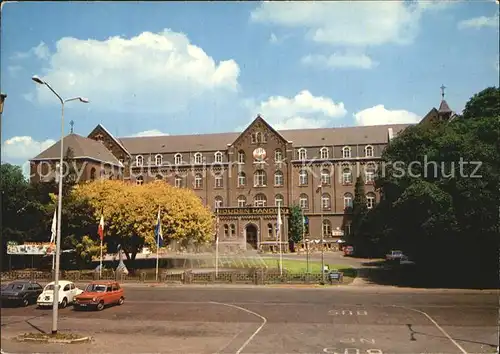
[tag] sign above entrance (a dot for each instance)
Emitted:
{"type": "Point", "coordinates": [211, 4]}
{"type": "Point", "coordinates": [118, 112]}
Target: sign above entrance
{"type": "Point", "coordinates": [252, 211]}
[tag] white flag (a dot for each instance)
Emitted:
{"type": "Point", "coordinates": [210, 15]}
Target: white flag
{"type": "Point", "coordinates": [53, 229]}
{"type": "Point", "coordinates": [278, 221]}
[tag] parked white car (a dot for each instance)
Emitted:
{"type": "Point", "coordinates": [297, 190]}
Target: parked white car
{"type": "Point", "coordinates": [67, 293]}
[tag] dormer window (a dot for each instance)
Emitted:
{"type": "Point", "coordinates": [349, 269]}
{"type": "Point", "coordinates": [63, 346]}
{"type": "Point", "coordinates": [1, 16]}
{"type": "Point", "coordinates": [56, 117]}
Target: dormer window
{"type": "Point", "coordinates": [323, 152]}
{"type": "Point", "coordinates": [139, 160]}
{"type": "Point", "coordinates": [302, 154]}
{"type": "Point", "coordinates": [158, 160]}
{"type": "Point", "coordinates": [369, 151]}
{"type": "Point", "coordinates": [346, 152]}
{"type": "Point", "coordinates": [198, 158]}
{"type": "Point", "coordinates": [218, 156]}
{"type": "Point", "coordinates": [178, 159]}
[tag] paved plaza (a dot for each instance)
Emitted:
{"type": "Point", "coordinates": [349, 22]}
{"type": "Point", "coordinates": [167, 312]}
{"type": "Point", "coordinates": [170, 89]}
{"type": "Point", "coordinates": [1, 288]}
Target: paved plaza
{"type": "Point", "coordinates": [340, 320]}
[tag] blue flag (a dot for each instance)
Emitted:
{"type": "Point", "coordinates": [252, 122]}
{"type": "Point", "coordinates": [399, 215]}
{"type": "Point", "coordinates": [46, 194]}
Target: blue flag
{"type": "Point", "coordinates": [158, 232]}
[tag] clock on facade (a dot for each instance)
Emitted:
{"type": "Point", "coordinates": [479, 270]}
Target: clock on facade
{"type": "Point", "coordinates": [259, 154]}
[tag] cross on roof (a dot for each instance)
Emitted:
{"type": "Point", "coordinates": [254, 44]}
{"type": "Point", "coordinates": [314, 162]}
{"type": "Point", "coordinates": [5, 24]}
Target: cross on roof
{"type": "Point", "coordinates": [72, 123]}
{"type": "Point", "coordinates": [442, 90]}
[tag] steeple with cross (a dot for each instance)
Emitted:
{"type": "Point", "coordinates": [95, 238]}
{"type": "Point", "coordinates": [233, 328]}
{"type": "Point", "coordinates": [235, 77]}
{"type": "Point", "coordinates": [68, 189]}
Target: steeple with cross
{"type": "Point", "coordinates": [72, 124]}
{"type": "Point", "coordinates": [442, 91]}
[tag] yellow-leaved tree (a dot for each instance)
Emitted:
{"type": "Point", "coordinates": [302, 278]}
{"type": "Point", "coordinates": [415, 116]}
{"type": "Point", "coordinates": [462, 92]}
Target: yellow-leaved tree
{"type": "Point", "coordinates": [130, 213]}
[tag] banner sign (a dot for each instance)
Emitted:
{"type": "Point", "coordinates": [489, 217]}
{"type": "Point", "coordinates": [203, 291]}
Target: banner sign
{"type": "Point", "coordinates": [30, 249]}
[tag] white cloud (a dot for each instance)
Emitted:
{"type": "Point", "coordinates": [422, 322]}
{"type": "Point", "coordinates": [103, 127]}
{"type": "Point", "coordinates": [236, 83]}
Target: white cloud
{"type": "Point", "coordinates": [14, 70]}
{"type": "Point", "coordinates": [479, 22]}
{"type": "Point", "coordinates": [378, 115]}
{"type": "Point", "coordinates": [151, 72]}
{"type": "Point", "coordinates": [152, 132]}
{"type": "Point", "coordinates": [299, 112]}
{"type": "Point", "coordinates": [353, 23]}
{"type": "Point", "coordinates": [24, 147]}
{"type": "Point", "coordinates": [273, 38]}
{"type": "Point", "coordinates": [340, 61]}
{"type": "Point", "coordinates": [41, 51]}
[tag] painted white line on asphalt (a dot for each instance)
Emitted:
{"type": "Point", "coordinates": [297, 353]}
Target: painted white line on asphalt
{"type": "Point", "coordinates": [438, 327]}
{"type": "Point", "coordinates": [264, 321]}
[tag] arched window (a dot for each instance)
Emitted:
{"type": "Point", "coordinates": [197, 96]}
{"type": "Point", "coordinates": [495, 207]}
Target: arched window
{"type": "Point", "coordinates": [260, 200]}
{"type": "Point", "coordinates": [198, 180]}
{"type": "Point", "coordinates": [370, 200]}
{"type": "Point", "coordinates": [278, 155]}
{"type": "Point", "coordinates": [346, 175]}
{"type": "Point", "coordinates": [92, 173]}
{"type": "Point", "coordinates": [348, 200]}
{"type": "Point", "coordinates": [303, 177]}
{"type": "Point", "coordinates": [369, 151]}
{"type": "Point", "coordinates": [233, 230]}
{"type": "Point", "coordinates": [139, 160]}
{"type": "Point", "coordinates": [257, 138]}
{"type": "Point", "coordinates": [218, 202]}
{"type": "Point", "coordinates": [270, 230]}
{"type": "Point", "coordinates": [323, 153]}
{"type": "Point", "coordinates": [304, 201]}
{"type": "Point", "coordinates": [278, 200]}
{"type": "Point", "coordinates": [158, 160]}
{"type": "Point", "coordinates": [178, 181]}
{"type": "Point", "coordinates": [325, 177]}
{"type": "Point", "coordinates": [218, 156]}
{"type": "Point", "coordinates": [242, 179]}
{"type": "Point", "coordinates": [259, 178]}
{"type": "Point", "coordinates": [226, 230]}
{"type": "Point", "coordinates": [302, 154]}
{"type": "Point", "coordinates": [178, 159]}
{"type": "Point", "coordinates": [218, 180]}
{"type": "Point", "coordinates": [346, 152]}
{"type": "Point", "coordinates": [140, 180]}
{"type": "Point", "coordinates": [327, 228]}
{"type": "Point", "coordinates": [370, 172]}
{"type": "Point", "coordinates": [326, 201]}
{"type": "Point", "coordinates": [198, 158]}
{"type": "Point", "coordinates": [241, 156]}
{"type": "Point", "coordinates": [242, 201]}
{"type": "Point", "coordinates": [278, 178]}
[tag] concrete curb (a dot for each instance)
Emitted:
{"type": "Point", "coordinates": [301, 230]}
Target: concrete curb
{"type": "Point", "coordinates": [22, 338]}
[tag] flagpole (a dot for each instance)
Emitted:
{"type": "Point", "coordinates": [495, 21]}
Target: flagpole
{"type": "Point", "coordinates": [281, 251]}
{"type": "Point", "coordinates": [217, 243]}
{"type": "Point", "coordinates": [100, 263]}
{"type": "Point", "coordinates": [157, 246]}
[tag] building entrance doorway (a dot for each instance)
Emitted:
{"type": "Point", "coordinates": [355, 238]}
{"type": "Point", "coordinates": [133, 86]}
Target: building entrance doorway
{"type": "Point", "coordinates": [251, 235]}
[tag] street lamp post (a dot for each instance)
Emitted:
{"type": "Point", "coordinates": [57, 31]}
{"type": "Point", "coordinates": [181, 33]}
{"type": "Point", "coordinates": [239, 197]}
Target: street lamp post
{"type": "Point", "coordinates": [55, 303]}
{"type": "Point", "coordinates": [3, 96]}
{"type": "Point", "coordinates": [320, 188]}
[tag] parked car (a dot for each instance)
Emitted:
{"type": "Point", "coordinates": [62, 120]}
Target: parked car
{"type": "Point", "coordinates": [348, 251]}
{"type": "Point", "coordinates": [99, 294]}
{"type": "Point", "coordinates": [23, 292]}
{"type": "Point", "coordinates": [394, 255]}
{"type": "Point", "coordinates": [67, 293]}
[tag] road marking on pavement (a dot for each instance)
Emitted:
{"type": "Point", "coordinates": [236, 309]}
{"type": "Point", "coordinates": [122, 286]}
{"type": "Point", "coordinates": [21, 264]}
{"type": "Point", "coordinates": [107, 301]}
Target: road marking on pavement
{"type": "Point", "coordinates": [361, 340]}
{"type": "Point", "coordinates": [264, 321]}
{"type": "Point", "coordinates": [438, 327]}
{"type": "Point", "coordinates": [348, 312]}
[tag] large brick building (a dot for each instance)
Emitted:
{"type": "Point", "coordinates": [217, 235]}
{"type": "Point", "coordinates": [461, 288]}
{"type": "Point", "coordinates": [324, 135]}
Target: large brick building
{"type": "Point", "coordinates": [244, 176]}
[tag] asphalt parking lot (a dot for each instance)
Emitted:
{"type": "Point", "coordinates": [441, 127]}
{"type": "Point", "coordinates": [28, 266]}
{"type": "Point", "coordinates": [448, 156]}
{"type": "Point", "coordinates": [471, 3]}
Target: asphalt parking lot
{"type": "Point", "coordinates": [265, 320]}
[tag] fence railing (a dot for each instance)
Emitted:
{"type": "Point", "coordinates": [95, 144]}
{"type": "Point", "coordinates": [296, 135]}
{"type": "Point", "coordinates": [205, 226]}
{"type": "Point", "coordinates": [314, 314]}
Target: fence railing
{"type": "Point", "coordinates": [256, 276]}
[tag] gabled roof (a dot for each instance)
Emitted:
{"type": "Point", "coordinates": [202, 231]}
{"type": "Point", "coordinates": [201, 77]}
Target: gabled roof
{"type": "Point", "coordinates": [83, 148]}
{"type": "Point", "coordinates": [376, 134]}
{"type": "Point", "coordinates": [259, 119]}
{"type": "Point", "coordinates": [117, 141]}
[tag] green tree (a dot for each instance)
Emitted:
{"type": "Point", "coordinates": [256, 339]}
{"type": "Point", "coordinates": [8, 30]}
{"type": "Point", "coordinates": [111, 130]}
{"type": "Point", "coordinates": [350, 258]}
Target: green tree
{"type": "Point", "coordinates": [485, 104]}
{"type": "Point", "coordinates": [295, 226]}
{"type": "Point", "coordinates": [359, 208]}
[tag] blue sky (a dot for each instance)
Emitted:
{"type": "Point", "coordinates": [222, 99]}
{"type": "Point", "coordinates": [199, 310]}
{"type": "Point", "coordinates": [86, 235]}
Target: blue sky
{"type": "Point", "coordinates": [180, 68]}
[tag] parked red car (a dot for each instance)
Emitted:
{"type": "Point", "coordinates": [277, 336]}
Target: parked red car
{"type": "Point", "coordinates": [100, 294]}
